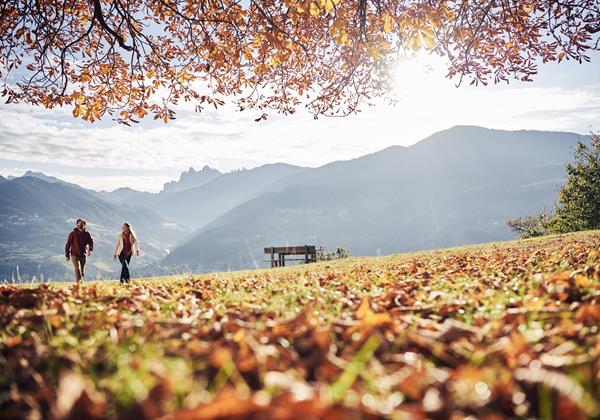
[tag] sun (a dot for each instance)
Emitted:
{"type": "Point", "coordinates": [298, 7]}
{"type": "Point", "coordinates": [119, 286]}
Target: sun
{"type": "Point", "coordinates": [420, 75]}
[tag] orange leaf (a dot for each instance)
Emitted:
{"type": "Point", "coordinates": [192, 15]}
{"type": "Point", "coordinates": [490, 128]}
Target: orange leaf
{"type": "Point", "coordinates": [364, 309]}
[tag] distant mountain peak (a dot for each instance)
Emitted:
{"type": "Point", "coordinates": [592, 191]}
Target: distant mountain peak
{"type": "Point", "coordinates": [191, 178]}
{"type": "Point", "coordinates": [125, 189]}
{"type": "Point", "coordinates": [479, 129]}
{"type": "Point", "coordinates": [205, 168]}
{"type": "Point", "coordinates": [467, 127]}
{"type": "Point", "coordinates": [43, 177]}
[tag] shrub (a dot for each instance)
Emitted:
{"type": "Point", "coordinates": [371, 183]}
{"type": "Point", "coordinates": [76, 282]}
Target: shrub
{"type": "Point", "coordinates": [578, 206]}
{"type": "Point", "coordinates": [324, 254]}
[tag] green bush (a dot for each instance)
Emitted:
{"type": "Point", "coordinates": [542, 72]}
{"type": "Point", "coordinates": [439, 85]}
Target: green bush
{"type": "Point", "coordinates": [324, 254]}
{"type": "Point", "coordinates": [578, 205]}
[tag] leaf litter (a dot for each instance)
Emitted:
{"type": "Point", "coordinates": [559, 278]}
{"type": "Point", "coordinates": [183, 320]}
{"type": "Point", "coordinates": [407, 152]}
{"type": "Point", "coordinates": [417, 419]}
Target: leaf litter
{"type": "Point", "coordinates": [494, 331]}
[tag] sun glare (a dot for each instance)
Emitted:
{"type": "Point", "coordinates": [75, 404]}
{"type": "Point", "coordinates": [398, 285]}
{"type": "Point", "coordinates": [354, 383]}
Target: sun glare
{"type": "Point", "coordinates": [420, 77]}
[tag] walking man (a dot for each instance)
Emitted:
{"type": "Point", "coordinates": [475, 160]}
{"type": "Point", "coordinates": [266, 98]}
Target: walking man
{"type": "Point", "coordinates": [79, 246]}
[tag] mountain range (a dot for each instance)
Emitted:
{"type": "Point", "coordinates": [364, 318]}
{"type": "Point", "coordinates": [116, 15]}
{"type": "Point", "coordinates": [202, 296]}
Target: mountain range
{"type": "Point", "coordinates": [36, 216]}
{"type": "Point", "coordinates": [37, 212]}
{"type": "Point", "coordinates": [456, 187]}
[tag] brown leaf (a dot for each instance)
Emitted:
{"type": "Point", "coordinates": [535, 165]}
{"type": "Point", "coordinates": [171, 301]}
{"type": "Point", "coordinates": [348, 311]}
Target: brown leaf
{"type": "Point", "coordinates": [226, 405]}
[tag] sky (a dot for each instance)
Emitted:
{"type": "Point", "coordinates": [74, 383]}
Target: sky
{"type": "Point", "coordinates": [562, 97]}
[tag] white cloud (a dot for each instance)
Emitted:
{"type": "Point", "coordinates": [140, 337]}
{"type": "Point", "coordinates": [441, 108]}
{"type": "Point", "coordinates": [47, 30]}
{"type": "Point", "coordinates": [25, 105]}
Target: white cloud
{"type": "Point", "coordinates": [6, 172]}
{"type": "Point", "coordinates": [227, 140]}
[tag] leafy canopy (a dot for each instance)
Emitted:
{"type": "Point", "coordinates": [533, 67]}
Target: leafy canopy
{"type": "Point", "coordinates": [132, 58]}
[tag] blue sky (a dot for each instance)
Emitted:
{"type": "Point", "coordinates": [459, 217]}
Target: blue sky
{"type": "Point", "coordinates": [562, 97]}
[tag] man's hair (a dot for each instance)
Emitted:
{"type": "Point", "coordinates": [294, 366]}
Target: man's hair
{"type": "Point", "coordinates": [80, 220]}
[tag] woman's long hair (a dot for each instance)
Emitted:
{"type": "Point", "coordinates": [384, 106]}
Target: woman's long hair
{"type": "Point", "coordinates": [132, 233]}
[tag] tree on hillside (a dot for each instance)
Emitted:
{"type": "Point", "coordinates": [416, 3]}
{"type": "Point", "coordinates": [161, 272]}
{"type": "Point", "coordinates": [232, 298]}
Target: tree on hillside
{"type": "Point", "coordinates": [130, 58]}
{"type": "Point", "coordinates": [578, 205]}
{"type": "Point", "coordinates": [530, 226]}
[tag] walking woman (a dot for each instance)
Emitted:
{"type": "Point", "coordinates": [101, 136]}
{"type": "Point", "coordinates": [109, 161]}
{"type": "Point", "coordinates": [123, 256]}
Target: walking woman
{"type": "Point", "coordinates": [127, 244]}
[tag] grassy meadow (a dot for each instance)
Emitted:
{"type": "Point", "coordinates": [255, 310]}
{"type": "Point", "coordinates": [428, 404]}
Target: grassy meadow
{"type": "Point", "coordinates": [499, 330]}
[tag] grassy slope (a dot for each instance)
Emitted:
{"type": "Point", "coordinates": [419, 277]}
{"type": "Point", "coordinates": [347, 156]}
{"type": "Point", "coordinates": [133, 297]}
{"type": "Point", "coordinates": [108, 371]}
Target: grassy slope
{"type": "Point", "coordinates": [505, 328]}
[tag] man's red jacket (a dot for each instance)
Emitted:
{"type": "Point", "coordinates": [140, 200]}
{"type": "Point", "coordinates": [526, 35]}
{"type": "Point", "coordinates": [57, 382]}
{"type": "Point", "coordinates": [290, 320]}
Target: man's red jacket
{"type": "Point", "coordinates": [77, 241]}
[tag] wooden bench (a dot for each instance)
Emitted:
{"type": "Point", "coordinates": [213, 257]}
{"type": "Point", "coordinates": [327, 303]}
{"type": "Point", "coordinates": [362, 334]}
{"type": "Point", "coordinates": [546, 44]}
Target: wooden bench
{"type": "Point", "coordinates": [309, 252]}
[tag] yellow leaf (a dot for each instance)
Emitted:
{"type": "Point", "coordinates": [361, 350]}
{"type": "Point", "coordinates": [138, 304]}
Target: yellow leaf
{"type": "Point", "coordinates": [368, 317]}
{"type": "Point", "coordinates": [364, 309]}
{"type": "Point", "coordinates": [314, 9]}
{"type": "Point", "coordinates": [78, 97]}
{"type": "Point", "coordinates": [239, 336]}
{"type": "Point", "coordinates": [329, 6]}
{"type": "Point", "coordinates": [55, 320]}
{"type": "Point", "coordinates": [375, 320]}
{"type": "Point", "coordinates": [78, 111]}
{"type": "Point", "coordinates": [275, 61]}
{"type": "Point", "coordinates": [561, 55]}
{"type": "Point", "coordinates": [184, 76]}
{"type": "Point", "coordinates": [582, 281]}
{"type": "Point", "coordinates": [534, 304]}
{"type": "Point", "coordinates": [374, 53]}
{"type": "Point", "coordinates": [427, 36]}
{"type": "Point", "coordinates": [429, 42]}
{"type": "Point", "coordinates": [388, 23]}
{"type": "Point", "coordinates": [343, 39]}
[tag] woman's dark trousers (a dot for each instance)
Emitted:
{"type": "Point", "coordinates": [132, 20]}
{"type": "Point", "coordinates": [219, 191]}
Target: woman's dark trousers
{"type": "Point", "coordinates": [124, 267]}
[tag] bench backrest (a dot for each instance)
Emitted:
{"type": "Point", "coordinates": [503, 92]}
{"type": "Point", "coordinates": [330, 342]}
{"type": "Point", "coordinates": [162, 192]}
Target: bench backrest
{"type": "Point", "coordinates": [292, 250]}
